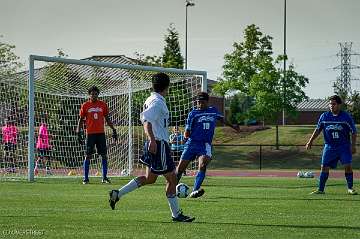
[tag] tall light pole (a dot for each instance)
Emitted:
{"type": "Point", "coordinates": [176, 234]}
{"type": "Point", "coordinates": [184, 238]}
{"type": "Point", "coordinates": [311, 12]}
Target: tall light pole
{"type": "Point", "coordinates": [284, 80]}
{"type": "Point", "coordinates": [188, 3]}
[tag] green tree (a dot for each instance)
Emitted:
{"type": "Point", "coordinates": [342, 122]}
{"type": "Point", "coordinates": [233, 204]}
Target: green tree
{"type": "Point", "coordinates": [12, 84]}
{"type": "Point", "coordinates": [354, 106]}
{"type": "Point", "coordinates": [240, 104]}
{"type": "Point", "coordinates": [9, 61]}
{"type": "Point", "coordinates": [171, 57]}
{"type": "Point", "coordinates": [148, 60]}
{"type": "Point", "coordinates": [251, 69]}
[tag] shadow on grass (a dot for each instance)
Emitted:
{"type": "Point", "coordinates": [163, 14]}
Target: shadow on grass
{"type": "Point", "coordinates": [281, 225]}
{"type": "Point", "coordinates": [261, 225]}
{"type": "Point", "coordinates": [273, 187]}
{"type": "Point", "coordinates": [309, 198]}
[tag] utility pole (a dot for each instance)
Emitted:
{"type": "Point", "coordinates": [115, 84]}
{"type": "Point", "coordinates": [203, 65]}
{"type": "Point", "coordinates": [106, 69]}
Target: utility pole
{"type": "Point", "coordinates": [188, 3]}
{"type": "Point", "coordinates": [284, 66]}
{"type": "Point", "coordinates": [342, 85]}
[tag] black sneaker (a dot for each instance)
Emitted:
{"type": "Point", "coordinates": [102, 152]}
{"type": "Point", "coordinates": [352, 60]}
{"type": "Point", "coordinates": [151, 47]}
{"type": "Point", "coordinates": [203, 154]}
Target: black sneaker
{"type": "Point", "coordinates": [113, 198]}
{"type": "Point", "coordinates": [48, 172]}
{"type": "Point", "coordinates": [85, 182]}
{"type": "Point", "coordinates": [197, 193]}
{"type": "Point", "coordinates": [105, 180]}
{"type": "Point", "coordinates": [182, 218]}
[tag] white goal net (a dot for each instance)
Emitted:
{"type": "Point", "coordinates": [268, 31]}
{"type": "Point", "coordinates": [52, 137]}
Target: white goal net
{"type": "Point", "coordinates": [51, 94]}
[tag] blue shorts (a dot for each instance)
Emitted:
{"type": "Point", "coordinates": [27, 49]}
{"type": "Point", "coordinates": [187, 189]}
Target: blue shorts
{"type": "Point", "coordinates": [195, 149]}
{"type": "Point", "coordinates": [161, 162]}
{"type": "Point", "coordinates": [330, 157]}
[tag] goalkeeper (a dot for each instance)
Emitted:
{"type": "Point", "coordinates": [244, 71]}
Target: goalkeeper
{"type": "Point", "coordinates": [92, 113]}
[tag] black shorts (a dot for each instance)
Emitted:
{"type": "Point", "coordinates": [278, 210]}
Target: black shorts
{"type": "Point", "coordinates": [161, 162]}
{"type": "Point", "coordinates": [43, 152]}
{"type": "Point", "coordinates": [96, 139]}
{"type": "Point", "coordinates": [9, 147]}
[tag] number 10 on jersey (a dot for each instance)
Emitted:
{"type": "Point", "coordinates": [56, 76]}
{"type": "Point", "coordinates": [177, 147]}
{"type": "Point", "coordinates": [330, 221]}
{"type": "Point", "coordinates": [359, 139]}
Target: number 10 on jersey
{"type": "Point", "coordinates": [206, 125]}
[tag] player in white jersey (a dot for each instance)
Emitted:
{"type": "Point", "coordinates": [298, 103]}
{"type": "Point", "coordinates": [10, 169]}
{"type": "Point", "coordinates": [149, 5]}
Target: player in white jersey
{"type": "Point", "coordinates": [157, 158]}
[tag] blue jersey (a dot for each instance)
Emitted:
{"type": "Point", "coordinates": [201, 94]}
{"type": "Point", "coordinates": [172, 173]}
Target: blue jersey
{"type": "Point", "coordinates": [336, 129]}
{"type": "Point", "coordinates": [201, 124]}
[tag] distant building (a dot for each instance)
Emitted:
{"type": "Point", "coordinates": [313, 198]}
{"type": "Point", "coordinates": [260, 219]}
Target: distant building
{"type": "Point", "coordinates": [116, 59]}
{"type": "Point", "coordinates": [308, 112]}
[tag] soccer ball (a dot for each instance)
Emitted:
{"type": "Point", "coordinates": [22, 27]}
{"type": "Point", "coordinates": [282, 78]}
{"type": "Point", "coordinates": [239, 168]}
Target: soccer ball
{"type": "Point", "coordinates": [182, 190]}
{"type": "Point", "coordinates": [300, 174]}
{"type": "Point", "coordinates": [309, 174]}
{"type": "Point", "coordinates": [124, 172]}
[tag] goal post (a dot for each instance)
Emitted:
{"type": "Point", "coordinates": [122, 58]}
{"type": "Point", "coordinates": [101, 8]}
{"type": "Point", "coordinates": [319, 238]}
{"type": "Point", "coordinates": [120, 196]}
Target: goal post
{"type": "Point", "coordinates": [56, 91]}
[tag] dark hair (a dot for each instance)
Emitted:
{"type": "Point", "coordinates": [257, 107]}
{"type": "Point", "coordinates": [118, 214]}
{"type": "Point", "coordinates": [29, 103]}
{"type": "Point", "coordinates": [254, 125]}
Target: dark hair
{"type": "Point", "coordinates": [336, 98]}
{"type": "Point", "coordinates": [202, 96]}
{"type": "Point", "coordinates": [93, 88]}
{"type": "Point", "coordinates": [160, 82]}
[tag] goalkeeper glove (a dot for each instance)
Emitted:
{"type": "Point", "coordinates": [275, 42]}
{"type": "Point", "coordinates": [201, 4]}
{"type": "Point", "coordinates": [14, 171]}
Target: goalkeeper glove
{"type": "Point", "coordinates": [80, 137]}
{"type": "Point", "coordinates": [115, 135]}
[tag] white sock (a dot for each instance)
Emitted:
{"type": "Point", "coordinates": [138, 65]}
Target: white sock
{"type": "Point", "coordinates": [174, 205]}
{"type": "Point", "coordinates": [129, 187]}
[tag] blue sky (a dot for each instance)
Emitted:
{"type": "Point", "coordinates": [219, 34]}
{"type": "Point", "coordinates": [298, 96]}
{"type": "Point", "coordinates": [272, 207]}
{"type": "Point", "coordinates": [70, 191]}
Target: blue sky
{"type": "Point", "coordinates": [92, 27]}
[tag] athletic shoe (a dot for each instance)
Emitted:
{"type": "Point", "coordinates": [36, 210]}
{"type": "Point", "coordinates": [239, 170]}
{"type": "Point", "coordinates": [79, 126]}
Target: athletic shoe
{"type": "Point", "coordinates": [48, 172]}
{"type": "Point", "coordinates": [352, 192]}
{"type": "Point", "coordinates": [182, 218]}
{"type": "Point", "coordinates": [11, 170]}
{"type": "Point", "coordinates": [105, 180]}
{"type": "Point", "coordinates": [317, 192]}
{"type": "Point", "coordinates": [197, 193]}
{"type": "Point", "coordinates": [85, 182]}
{"type": "Point", "coordinates": [113, 198]}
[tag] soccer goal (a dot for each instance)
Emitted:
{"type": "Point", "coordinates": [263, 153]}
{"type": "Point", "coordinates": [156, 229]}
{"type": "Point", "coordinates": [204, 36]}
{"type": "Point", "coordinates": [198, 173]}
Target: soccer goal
{"type": "Point", "coordinates": [51, 93]}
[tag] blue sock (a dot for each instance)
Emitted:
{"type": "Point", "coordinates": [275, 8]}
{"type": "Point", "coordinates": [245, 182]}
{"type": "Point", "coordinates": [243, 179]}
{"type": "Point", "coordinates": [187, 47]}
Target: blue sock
{"type": "Point", "coordinates": [86, 169]}
{"type": "Point", "coordinates": [349, 180]}
{"type": "Point", "coordinates": [199, 180]}
{"type": "Point", "coordinates": [104, 168]}
{"type": "Point", "coordinates": [322, 180]}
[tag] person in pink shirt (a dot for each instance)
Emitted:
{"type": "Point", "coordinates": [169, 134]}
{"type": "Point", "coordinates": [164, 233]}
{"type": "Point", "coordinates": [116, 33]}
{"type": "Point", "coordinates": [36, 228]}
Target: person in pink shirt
{"type": "Point", "coordinates": [43, 148]}
{"type": "Point", "coordinates": [9, 134]}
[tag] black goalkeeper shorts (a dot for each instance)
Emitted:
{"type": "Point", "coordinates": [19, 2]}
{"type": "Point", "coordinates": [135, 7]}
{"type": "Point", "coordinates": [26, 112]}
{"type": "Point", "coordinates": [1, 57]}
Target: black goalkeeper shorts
{"type": "Point", "coordinates": [97, 140]}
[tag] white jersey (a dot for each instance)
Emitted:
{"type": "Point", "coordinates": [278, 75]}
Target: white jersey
{"type": "Point", "coordinates": [156, 112]}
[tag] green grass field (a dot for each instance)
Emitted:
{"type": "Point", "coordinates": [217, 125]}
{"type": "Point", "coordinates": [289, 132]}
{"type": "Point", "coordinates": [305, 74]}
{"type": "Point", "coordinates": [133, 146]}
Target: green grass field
{"type": "Point", "coordinates": [231, 208]}
{"type": "Point", "coordinates": [286, 157]}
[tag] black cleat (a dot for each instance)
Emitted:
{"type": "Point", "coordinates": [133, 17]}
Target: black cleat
{"type": "Point", "coordinates": [85, 182]}
{"type": "Point", "coordinates": [113, 198]}
{"type": "Point", "coordinates": [197, 193]}
{"type": "Point", "coordinates": [106, 180]}
{"type": "Point", "coordinates": [182, 218]}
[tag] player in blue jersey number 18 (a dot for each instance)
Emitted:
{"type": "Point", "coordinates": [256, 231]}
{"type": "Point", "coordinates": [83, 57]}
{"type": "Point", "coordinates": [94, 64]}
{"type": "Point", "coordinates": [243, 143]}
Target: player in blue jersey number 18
{"type": "Point", "coordinates": [337, 126]}
{"type": "Point", "coordinates": [199, 132]}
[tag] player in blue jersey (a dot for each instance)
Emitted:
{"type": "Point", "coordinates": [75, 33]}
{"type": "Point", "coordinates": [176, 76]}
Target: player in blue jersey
{"type": "Point", "coordinates": [199, 132]}
{"type": "Point", "coordinates": [337, 126]}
